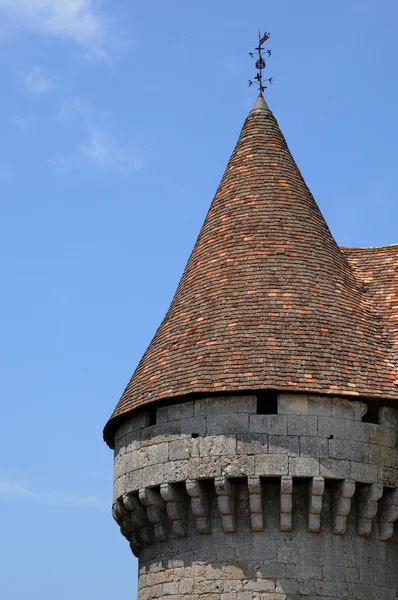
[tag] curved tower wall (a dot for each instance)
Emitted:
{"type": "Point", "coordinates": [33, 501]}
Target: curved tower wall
{"type": "Point", "coordinates": [220, 502]}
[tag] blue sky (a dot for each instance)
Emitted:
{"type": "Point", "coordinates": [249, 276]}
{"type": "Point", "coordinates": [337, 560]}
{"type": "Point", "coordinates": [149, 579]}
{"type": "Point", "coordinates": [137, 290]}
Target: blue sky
{"type": "Point", "coordinates": [117, 120]}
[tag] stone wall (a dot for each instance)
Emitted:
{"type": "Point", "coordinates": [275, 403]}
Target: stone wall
{"type": "Point", "coordinates": [223, 503]}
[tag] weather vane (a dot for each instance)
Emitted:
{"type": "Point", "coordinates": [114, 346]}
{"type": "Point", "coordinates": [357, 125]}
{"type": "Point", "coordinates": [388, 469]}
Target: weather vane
{"type": "Point", "coordinates": [259, 54]}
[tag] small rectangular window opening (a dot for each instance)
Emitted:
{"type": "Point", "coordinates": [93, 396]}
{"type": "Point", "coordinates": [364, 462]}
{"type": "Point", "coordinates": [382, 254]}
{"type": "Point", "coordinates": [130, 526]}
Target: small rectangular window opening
{"type": "Point", "coordinates": [372, 414]}
{"type": "Point", "coordinates": [267, 402]}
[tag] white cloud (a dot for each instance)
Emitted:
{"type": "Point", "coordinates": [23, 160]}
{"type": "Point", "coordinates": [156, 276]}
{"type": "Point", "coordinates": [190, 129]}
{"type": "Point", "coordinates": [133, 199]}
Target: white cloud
{"type": "Point", "coordinates": [23, 122]}
{"type": "Point", "coordinates": [74, 20]}
{"type": "Point", "coordinates": [100, 151]}
{"type": "Point", "coordinates": [37, 83]}
{"type": "Point", "coordinates": [74, 108]}
{"type": "Point", "coordinates": [13, 489]}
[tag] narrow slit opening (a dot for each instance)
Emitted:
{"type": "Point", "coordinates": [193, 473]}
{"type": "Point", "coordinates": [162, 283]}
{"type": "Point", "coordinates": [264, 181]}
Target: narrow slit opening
{"type": "Point", "coordinates": [153, 415]}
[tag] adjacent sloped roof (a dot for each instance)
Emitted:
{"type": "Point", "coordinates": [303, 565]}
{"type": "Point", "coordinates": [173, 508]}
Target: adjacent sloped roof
{"type": "Point", "coordinates": [268, 300]}
{"type": "Point", "coordinates": [378, 269]}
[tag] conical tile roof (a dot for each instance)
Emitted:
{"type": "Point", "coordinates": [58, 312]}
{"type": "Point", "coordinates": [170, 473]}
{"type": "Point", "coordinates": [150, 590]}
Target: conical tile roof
{"type": "Point", "coordinates": [267, 300]}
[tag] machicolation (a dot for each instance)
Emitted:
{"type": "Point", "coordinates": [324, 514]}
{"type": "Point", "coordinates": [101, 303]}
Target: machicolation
{"type": "Point", "coordinates": [282, 496]}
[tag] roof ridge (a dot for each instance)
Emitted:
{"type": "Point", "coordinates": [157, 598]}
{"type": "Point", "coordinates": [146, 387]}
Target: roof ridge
{"type": "Point", "coordinates": [369, 247]}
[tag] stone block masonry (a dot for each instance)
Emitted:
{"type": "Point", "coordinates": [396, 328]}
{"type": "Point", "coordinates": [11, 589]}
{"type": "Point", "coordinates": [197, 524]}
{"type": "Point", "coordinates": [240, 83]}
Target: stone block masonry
{"type": "Point", "coordinates": [222, 503]}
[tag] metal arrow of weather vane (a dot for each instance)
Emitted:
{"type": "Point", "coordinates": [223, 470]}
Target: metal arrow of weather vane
{"type": "Point", "coordinates": [259, 54]}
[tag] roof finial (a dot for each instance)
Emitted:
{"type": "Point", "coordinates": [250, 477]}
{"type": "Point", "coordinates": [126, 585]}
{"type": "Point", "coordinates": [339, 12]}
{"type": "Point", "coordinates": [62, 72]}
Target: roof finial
{"type": "Point", "coordinates": [259, 53]}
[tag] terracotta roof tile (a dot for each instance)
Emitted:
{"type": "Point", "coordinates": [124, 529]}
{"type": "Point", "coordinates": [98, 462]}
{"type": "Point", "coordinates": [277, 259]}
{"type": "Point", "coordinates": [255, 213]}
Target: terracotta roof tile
{"type": "Point", "coordinates": [268, 300]}
{"type": "Point", "coordinates": [377, 268]}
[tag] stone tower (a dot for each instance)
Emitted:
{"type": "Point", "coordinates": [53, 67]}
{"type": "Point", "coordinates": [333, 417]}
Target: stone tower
{"type": "Point", "coordinates": [255, 445]}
